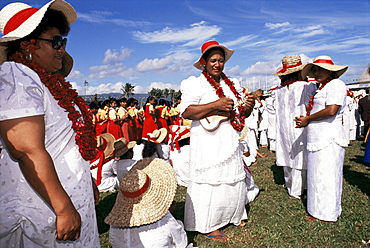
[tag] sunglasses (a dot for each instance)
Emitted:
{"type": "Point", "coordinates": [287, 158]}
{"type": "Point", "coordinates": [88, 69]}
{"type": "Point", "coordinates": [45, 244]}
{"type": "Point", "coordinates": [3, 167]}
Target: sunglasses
{"type": "Point", "coordinates": [57, 42]}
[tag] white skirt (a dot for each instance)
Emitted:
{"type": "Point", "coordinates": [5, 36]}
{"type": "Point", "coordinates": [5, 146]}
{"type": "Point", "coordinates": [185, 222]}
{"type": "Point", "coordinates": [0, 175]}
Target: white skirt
{"type": "Point", "coordinates": [210, 207]}
{"type": "Point", "coordinates": [324, 182]}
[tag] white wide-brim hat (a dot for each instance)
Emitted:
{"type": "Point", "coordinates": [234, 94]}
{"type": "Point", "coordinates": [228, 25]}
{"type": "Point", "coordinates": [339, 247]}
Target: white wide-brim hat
{"type": "Point", "coordinates": [17, 20]}
{"type": "Point", "coordinates": [157, 136]}
{"type": "Point", "coordinates": [324, 62]}
{"type": "Point", "coordinates": [199, 64]}
{"type": "Point", "coordinates": [146, 193]}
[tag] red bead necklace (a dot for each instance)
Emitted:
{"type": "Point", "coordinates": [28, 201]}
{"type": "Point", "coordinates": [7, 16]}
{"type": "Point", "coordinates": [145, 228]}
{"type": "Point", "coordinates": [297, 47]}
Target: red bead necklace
{"type": "Point", "coordinates": [67, 98]}
{"type": "Point", "coordinates": [236, 120]}
{"type": "Point", "coordinates": [310, 102]}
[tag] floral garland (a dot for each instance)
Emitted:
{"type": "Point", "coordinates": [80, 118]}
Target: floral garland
{"type": "Point", "coordinates": [310, 102]}
{"type": "Point", "coordinates": [67, 98]}
{"type": "Point", "coordinates": [236, 120]}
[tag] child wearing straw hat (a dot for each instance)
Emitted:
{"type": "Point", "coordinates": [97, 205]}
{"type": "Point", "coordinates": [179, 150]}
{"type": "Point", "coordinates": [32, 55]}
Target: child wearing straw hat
{"type": "Point", "coordinates": [140, 216]}
{"type": "Point", "coordinates": [289, 100]}
{"type": "Point", "coordinates": [326, 141]}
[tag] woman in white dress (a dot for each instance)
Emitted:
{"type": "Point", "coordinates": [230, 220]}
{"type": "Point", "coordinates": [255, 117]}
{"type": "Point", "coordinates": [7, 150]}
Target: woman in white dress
{"type": "Point", "coordinates": [216, 190]}
{"type": "Point", "coordinates": [326, 141]}
{"type": "Point", "coordinates": [46, 193]}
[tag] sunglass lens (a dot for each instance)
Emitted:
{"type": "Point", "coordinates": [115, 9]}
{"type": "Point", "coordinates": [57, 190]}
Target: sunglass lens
{"type": "Point", "coordinates": [59, 41]}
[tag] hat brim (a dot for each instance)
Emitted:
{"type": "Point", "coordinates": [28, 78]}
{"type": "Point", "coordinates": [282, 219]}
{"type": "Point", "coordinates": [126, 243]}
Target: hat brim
{"type": "Point", "coordinates": [290, 71]}
{"type": "Point", "coordinates": [109, 138]}
{"type": "Point", "coordinates": [31, 24]}
{"type": "Point", "coordinates": [337, 69]}
{"type": "Point", "coordinates": [153, 204]}
{"type": "Point", "coordinates": [228, 54]}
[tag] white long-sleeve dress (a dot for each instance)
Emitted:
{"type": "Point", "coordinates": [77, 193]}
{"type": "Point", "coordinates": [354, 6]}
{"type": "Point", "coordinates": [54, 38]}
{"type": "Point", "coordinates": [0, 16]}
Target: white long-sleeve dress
{"type": "Point", "coordinates": [24, 215]}
{"type": "Point", "coordinates": [290, 102]}
{"type": "Point", "coordinates": [326, 144]}
{"type": "Point", "coordinates": [216, 189]}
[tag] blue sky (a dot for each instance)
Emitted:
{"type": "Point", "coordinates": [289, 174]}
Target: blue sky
{"type": "Point", "coordinates": [154, 43]}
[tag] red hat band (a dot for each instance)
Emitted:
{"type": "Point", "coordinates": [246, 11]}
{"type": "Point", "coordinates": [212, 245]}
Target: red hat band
{"type": "Point", "coordinates": [208, 44]}
{"type": "Point", "coordinates": [324, 61]}
{"type": "Point", "coordinates": [18, 19]}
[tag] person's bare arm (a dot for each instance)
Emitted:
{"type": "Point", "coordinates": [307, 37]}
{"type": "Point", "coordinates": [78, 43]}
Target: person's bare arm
{"type": "Point", "coordinates": [197, 112]}
{"type": "Point", "coordinates": [24, 138]}
{"type": "Point", "coordinates": [329, 110]}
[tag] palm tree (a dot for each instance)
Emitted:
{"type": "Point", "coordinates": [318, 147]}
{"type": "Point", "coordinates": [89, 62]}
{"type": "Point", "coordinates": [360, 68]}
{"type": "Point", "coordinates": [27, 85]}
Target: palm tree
{"type": "Point", "coordinates": [166, 92]}
{"type": "Point", "coordinates": [158, 93]}
{"type": "Point", "coordinates": [172, 94]}
{"type": "Point", "coordinates": [128, 90]}
{"type": "Point", "coordinates": [85, 84]}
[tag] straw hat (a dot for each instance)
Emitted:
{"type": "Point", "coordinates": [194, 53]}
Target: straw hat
{"type": "Point", "coordinates": [200, 63]}
{"type": "Point", "coordinates": [146, 193]}
{"type": "Point", "coordinates": [291, 64]}
{"type": "Point", "coordinates": [121, 146]}
{"type": "Point", "coordinates": [105, 142]}
{"type": "Point", "coordinates": [324, 62]}
{"type": "Point", "coordinates": [157, 136]}
{"type": "Point", "coordinates": [17, 20]}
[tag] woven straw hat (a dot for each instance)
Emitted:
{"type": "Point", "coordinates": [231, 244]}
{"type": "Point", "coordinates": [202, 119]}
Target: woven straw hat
{"type": "Point", "coordinates": [157, 136]}
{"type": "Point", "coordinates": [199, 64]}
{"type": "Point", "coordinates": [18, 20]}
{"type": "Point", "coordinates": [291, 64]}
{"type": "Point", "coordinates": [146, 193]}
{"type": "Point", "coordinates": [324, 62]}
{"type": "Point", "coordinates": [121, 146]}
{"type": "Point", "coordinates": [105, 142]}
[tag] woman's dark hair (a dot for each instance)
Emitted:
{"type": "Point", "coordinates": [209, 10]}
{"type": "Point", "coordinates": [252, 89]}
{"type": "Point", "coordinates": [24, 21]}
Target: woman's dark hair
{"type": "Point", "coordinates": [147, 100]}
{"type": "Point", "coordinates": [130, 101]}
{"type": "Point", "coordinates": [112, 100]}
{"type": "Point", "coordinates": [162, 101]}
{"type": "Point", "coordinates": [205, 56]}
{"type": "Point", "coordinates": [52, 19]}
{"type": "Point", "coordinates": [93, 105]}
{"type": "Point", "coordinates": [123, 99]}
{"type": "Point", "coordinates": [149, 149]}
{"type": "Point", "coordinates": [295, 76]}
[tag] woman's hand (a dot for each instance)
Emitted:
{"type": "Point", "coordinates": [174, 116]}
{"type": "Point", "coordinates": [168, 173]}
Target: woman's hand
{"type": "Point", "coordinates": [225, 104]}
{"type": "Point", "coordinates": [68, 224]}
{"type": "Point", "coordinates": [249, 103]}
{"type": "Point", "coordinates": [301, 121]}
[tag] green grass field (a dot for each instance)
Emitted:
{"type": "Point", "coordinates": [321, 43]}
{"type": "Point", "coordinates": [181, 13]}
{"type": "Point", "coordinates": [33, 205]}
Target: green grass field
{"type": "Point", "coordinates": [275, 220]}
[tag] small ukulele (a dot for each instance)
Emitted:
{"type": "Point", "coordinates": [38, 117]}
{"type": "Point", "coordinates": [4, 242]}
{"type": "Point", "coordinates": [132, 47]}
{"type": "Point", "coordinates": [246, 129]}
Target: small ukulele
{"type": "Point", "coordinates": [214, 119]}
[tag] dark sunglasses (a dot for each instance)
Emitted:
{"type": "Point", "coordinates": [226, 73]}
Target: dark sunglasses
{"type": "Point", "coordinates": [57, 42]}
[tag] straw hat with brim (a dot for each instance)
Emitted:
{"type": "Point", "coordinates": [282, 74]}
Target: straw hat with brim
{"type": "Point", "coordinates": [121, 146]}
{"type": "Point", "coordinates": [324, 62]}
{"type": "Point", "coordinates": [146, 193]}
{"type": "Point", "coordinates": [17, 20]}
{"type": "Point", "coordinates": [157, 136]}
{"type": "Point", "coordinates": [291, 64]}
{"type": "Point", "coordinates": [105, 142]}
{"type": "Point", "coordinates": [200, 63]}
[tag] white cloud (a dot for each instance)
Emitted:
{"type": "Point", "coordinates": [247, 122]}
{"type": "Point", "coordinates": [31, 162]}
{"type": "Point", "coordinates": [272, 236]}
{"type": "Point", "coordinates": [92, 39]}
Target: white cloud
{"type": "Point", "coordinates": [196, 34]}
{"type": "Point", "coordinates": [103, 71]}
{"type": "Point", "coordinates": [102, 17]}
{"type": "Point", "coordinates": [153, 64]}
{"type": "Point", "coordinates": [112, 56]}
{"type": "Point", "coordinates": [75, 75]}
{"type": "Point", "coordinates": [260, 68]}
{"type": "Point", "coordinates": [276, 25]}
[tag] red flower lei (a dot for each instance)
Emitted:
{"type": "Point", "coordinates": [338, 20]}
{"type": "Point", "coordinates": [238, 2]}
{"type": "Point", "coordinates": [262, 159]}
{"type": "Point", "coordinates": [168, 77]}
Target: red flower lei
{"type": "Point", "coordinates": [67, 98]}
{"type": "Point", "coordinates": [310, 102]}
{"type": "Point", "coordinates": [236, 120]}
